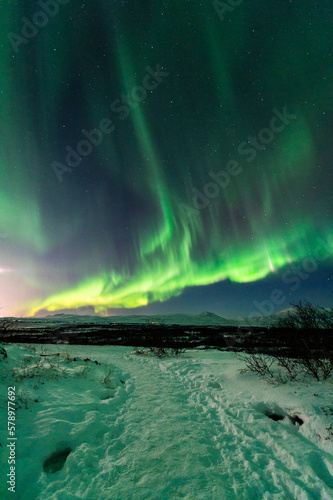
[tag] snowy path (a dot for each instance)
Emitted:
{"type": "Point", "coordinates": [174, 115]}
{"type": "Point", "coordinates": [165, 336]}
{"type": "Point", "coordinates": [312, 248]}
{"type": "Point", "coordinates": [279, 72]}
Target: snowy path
{"type": "Point", "coordinates": [276, 462]}
{"type": "Point", "coordinates": [179, 436]}
{"type": "Point", "coordinates": [195, 444]}
{"type": "Point", "coordinates": [166, 452]}
{"type": "Point", "coordinates": [170, 429]}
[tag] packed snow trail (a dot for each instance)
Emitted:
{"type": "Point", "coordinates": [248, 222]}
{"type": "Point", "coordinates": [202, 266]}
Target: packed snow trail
{"type": "Point", "coordinates": [168, 429]}
{"type": "Point", "coordinates": [177, 436]}
{"type": "Point", "coordinates": [259, 462]}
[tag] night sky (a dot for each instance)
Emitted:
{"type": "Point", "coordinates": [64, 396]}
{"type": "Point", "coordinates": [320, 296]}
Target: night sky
{"type": "Point", "coordinates": [165, 156]}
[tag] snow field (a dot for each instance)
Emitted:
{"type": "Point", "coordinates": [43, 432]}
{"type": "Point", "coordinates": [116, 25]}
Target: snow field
{"type": "Point", "coordinates": [139, 428]}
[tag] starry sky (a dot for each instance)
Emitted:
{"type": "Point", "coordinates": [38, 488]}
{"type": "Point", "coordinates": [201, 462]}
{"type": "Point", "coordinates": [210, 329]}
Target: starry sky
{"type": "Point", "coordinates": [165, 156]}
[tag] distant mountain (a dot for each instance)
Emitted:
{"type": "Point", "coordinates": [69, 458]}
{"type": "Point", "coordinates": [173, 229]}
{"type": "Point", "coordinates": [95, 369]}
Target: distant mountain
{"type": "Point", "coordinates": [281, 314]}
{"type": "Point", "coordinates": [267, 320]}
{"type": "Point", "coordinates": [209, 318]}
{"type": "Point", "coordinates": [204, 318]}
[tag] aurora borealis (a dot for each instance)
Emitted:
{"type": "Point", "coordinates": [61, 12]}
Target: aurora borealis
{"type": "Point", "coordinates": [210, 176]}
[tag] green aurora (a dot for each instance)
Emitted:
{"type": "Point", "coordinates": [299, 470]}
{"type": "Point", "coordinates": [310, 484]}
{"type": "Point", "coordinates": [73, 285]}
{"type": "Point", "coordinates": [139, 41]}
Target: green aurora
{"type": "Point", "coordinates": [217, 168]}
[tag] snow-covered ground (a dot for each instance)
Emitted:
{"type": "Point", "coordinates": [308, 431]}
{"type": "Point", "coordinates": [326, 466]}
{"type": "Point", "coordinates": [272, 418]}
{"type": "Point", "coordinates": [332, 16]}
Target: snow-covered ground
{"type": "Point", "coordinates": [120, 426]}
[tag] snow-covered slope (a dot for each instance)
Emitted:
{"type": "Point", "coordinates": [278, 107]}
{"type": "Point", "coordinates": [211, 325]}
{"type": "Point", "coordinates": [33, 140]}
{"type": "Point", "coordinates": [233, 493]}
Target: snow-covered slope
{"type": "Point", "coordinates": [104, 423]}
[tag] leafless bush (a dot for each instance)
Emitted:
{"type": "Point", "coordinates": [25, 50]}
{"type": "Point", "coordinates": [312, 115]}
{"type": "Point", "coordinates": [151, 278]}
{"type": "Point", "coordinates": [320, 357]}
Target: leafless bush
{"type": "Point", "coordinates": [311, 341]}
{"type": "Point", "coordinates": [309, 364]}
{"type": "Point", "coordinates": [319, 368]}
{"type": "Point", "coordinates": [160, 351]}
{"type": "Point", "coordinates": [178, 351]}
{"type": "Point", "coordinates": [289, 364]}
{"type": "Point", "coordinates": [107, 378]}
{"type": "Point", "coordinates": [7, 323]}
{"type": "Point", "coordinates": [140, 351]}
{"type": "Point", "coordinates": [260, 364]}
{"type": "Point", "coordinates": [306, 315]}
